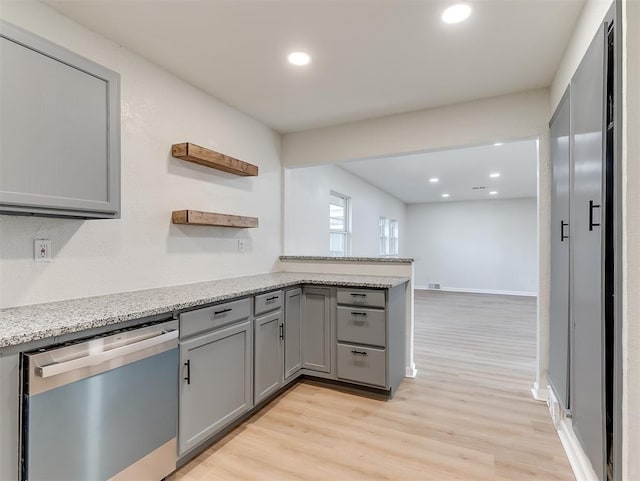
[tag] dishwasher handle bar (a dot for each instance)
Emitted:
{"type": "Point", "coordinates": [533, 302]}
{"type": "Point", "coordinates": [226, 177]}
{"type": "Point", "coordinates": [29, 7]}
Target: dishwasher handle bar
{"type": "Point", "coordinates": [95, 359]}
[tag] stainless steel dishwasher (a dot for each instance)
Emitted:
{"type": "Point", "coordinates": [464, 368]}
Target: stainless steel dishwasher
{"type": "Point", "coordinates": [103, 408]}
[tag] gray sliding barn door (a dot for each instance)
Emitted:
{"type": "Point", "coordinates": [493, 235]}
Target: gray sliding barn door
{"type": "Point", "coordinates": [587, 386]}
{"type": "Point", "coordinates": [559, 302]}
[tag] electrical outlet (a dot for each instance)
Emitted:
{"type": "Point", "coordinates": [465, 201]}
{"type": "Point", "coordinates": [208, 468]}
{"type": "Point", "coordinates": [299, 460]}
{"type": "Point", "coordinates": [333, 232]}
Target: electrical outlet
{"type": "Point", "coordinates": [42, 250]}
{"type": "Point", "coordinates": [240, 246]}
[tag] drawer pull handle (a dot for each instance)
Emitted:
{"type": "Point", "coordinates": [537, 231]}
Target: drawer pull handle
{"type": "Point", "coordinates": [272, 298]}
{"type": "Point", "coordinates": [355, 294]}
{"type": "Point", "coordinates": [223, 311]}
{"type": "Point", "coordinates": [188, 378]}
{"type": "Point", "coordinates": [361, 353]}
{"type": "Point", "coordinates": [359, 313]}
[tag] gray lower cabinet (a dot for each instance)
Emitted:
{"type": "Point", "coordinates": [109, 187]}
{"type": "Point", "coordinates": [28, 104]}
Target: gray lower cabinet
{"type": "Point", "coordinates": [316, 329]}
{"type": "Point", "coordinates": [9, 422]}
{"type": "Point", "coordinates": [363, 364]}
{"type": "Point", "coordinates": [370, 340]}
{"type": "Point", "coordinates": [217, 382]}
{"type": "Point", "coordinates": [292, 332]}
{"type": "Point", "coordinates": [269, 336]}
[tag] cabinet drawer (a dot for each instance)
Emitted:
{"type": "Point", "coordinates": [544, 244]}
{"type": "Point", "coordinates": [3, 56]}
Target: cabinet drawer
{"type": "Point", "coordinates": [362, 325]}
{"type": "Point", "coordinates": [361, 297]}
{"type": "Point", "coordinates": [267, 302]}
{"type": "Point", "coordinates": [362, 364]}
{"type": "Point", "coordinates": [212, 317]}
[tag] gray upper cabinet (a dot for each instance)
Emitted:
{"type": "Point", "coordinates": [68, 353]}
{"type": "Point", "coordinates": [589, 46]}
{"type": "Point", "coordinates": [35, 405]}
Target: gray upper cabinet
{"type": "Point", "coordinates": [559, 301]}
{"type": "Point", "coordinates": [316, 329]}
{"type": "Point", "coordinates": [60, 135]}
{"type": "Point", "coordinates": [292, 332]}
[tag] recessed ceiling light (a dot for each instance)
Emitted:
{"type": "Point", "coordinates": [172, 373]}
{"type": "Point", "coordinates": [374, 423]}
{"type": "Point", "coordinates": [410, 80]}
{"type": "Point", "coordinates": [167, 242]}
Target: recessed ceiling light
{"type": "Point", "coordinates": [498, 144]}
{"type": "Point", "coordinates": [434, 180]}
{"type": "Point", "coordinates": [493, 192]}
{"type": "Point", "coordinates": [299, 58]}
{"type": "Point", "coordinates": [456, 13]}
{"type": "Point", "coordinates": [445, 195]}
{"type": "Point", "coordinates": [494, 175]}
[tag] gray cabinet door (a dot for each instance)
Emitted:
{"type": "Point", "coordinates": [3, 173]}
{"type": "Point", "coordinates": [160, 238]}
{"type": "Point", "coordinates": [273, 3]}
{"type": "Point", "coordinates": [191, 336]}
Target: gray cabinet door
{"type": "Point", "coordinates": [316, 329]}
{"type": "Point", "coordinates": [60, 136]}
{"type": "Point", "coordinates": [292, 332]}
{"type": "Point", "coordinates": [587, 375]}
{"type": "Point", "coordinates": [269, 333]}
{"type": "Point", "coordinates": [216, 382]}
{"type": "Point", "coordinates": [559, 302]}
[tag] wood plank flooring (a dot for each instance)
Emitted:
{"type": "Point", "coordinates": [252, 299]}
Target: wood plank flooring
{"type": "Point", "coordinates": [468, 415]}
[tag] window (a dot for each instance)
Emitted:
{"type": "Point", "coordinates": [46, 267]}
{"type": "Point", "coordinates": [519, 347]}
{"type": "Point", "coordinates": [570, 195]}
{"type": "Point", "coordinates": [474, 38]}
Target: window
{"type": "Point", "coordinates": [338, 225]}
{"type": "Point", "coordinates": [388, 237]}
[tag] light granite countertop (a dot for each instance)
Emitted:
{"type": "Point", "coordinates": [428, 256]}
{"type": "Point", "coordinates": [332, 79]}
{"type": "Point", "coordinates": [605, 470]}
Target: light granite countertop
{"type": "Point", "coordinates": [19, 325]}
{"type": "Point", "coordinates": [396, 260]}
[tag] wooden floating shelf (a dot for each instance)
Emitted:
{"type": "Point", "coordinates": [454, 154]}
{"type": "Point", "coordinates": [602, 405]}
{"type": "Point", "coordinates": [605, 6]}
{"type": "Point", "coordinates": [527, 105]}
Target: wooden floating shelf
{"type": "Point", "coordinates": [196, 217]}
{"type": "Point", "coordinates": [210, 158]}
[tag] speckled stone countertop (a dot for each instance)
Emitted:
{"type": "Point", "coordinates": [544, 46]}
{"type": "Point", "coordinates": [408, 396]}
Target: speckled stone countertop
{"type": "Point", "coordinates": [396, 260]}
{"type": "Point", "coordinates": [19, 325]}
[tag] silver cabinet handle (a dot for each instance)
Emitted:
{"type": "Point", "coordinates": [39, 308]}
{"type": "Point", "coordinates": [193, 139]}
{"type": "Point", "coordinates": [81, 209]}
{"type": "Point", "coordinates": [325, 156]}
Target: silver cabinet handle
{"type": "Point", "coordinates": [95, 359]}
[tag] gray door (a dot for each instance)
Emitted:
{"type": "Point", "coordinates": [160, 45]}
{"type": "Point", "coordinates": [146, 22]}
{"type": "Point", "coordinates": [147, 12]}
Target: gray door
{"type": "Point", "coordinates": [587, 387]}
{"type": "Point", "coordinates": [316, 329]}
{"type": "Point", "coordinates": [269, 333]}
{"type": "Point", "coordinates": [559, 303]}
{"type": "Point", "coordinates": [292, 332]}
{"type": "Point", "coordinates": [216, 382]}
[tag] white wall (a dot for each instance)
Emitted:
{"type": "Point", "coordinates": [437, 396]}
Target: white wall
{"type": "Point", "coordinates": [486, 245]}
{"type": "Point", "coordinates": [143, 249]}
{"type": "Point", "coordinates": [508, 117]}
{"type": "Point", "coordinates": [631, 241]}
{"type": "Point", "coordinates": [306, 216]}
{"type": "Point", "coordinates": [588, 23]}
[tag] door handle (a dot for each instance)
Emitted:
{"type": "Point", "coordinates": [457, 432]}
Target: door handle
{"type": "Point", "coordinates": [359, 353]}
{"type": "Point", "coordinates": [188, 378]}
{"type": "Point", "coordinates": [563, 224]}
{"type": "Point", "coordinates": [591, 207]}
{"type": "Point", "coordinates": [282, 331]}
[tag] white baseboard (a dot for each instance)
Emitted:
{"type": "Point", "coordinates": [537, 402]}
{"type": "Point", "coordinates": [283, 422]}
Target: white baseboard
{"type": "Point", "coordinates": [479, 291]}
{"type": "Point", "coordinates": [411, 372]}
{"type": "Point", "coordinates": [580, 464]}
{"type": "Point", "coordinates": [582, 469]}
{"type": "Point", "coordinates": [540, 394]}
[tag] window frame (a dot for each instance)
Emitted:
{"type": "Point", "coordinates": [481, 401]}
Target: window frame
{"type": "Point", "coordinates": [346, 232]}
{"type": "Point", "coordinates": [388, 236]}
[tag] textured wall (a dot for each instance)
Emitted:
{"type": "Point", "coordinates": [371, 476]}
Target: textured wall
{"type": "Point", "coordinates": [143, 249]}
{"type": "Point", "coordinates": [631, 240]}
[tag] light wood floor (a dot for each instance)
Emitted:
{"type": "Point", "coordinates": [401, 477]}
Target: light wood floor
{"type": "Point", "coordinates": [468, 415]}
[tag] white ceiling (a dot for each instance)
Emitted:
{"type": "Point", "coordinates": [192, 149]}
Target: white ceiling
{"type": "Point", "coordinates": [370, 58]}
{"type": "Point", "coordinates": [459, 170]}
